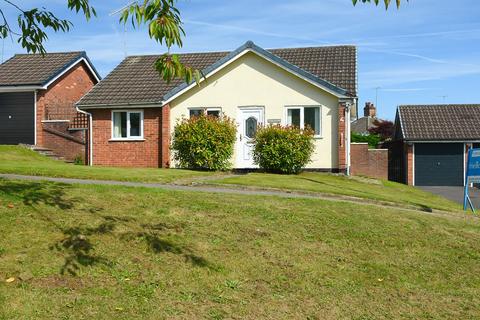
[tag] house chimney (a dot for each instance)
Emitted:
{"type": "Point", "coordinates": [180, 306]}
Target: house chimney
{"type": "Point", "coordinates": [369, 110]}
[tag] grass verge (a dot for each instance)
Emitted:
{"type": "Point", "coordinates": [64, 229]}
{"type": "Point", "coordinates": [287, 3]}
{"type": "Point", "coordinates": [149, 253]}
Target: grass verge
{"type": "Point", "coordinates": [103, 252]}
{"type": "Point", "coordinates": [347, 186]}
{"type": "Point", "coordinates": [20, 160]}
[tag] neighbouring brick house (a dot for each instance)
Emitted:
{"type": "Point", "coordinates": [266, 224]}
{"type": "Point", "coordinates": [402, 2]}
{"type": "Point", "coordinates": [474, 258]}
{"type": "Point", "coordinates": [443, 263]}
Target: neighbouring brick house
{"type": "Point", "coordinates": [431, 142]}
{"type": "Point", "coordinates": [134, 111]}
{"type": "Point", "coordinates": [37, 101]}
{"type": "Point", "coordinates": [363, 124]}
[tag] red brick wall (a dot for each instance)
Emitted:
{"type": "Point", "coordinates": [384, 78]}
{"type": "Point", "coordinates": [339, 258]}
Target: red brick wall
{"type": "Point", "coordinates": [69, 148]}
{"type": "Point", "coordinates": [368, 162]}
{"type": "Point", "coordinates": [57, 102]}
{"type": "Point", "coordinates": [165, 140]}
{"type": "Point", "coordinates": [145, 153]}
{"type": "Point", "coordinates": [409, 163]}
{"type": "Point", "coordinates": [342, 159]}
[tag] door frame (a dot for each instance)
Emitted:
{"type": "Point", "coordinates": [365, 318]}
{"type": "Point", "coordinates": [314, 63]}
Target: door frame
{"type": "Point", "coordinates": [240, 110]}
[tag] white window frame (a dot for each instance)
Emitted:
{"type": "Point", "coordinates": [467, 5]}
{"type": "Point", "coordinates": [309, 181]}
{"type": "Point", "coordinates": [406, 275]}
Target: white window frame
{"type": "Point", "coordinates": [205, 110]}
{"type": "Point", "coordinates": [128, 138]}
{"type": "Point", "coordinates": [302, 116]}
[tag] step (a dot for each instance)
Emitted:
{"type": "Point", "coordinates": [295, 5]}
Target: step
{"type": "Point", "coordinates": [48, 153]}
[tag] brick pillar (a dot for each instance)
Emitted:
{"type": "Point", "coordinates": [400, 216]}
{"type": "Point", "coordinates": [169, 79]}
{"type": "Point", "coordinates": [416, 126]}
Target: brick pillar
{"type": "Point", "coordinates": [342, 148]}
{"type": "Point", "coordinates": [165, 137]}
{"type": "Point", "coordinates": [409, 164]}
{"type": "Point", "coordinates": [39, 116]}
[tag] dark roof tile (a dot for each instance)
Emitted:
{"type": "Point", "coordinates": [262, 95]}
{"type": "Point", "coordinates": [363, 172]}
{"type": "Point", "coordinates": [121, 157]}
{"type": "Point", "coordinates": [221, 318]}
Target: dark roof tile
{"type": "Point", "coordinates": [440, 122]}
{"type": "Point", "coordinates": [135, 81]}
{"type": "Point", "coordinates": [35, 69]}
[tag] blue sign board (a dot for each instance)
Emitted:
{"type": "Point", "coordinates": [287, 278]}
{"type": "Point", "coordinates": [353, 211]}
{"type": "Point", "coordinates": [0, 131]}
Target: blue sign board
{"type": "Point", "coordinates": [472, 175]}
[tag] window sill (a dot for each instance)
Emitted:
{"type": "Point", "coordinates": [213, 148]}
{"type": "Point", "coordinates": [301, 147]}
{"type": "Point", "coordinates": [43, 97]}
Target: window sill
{"type": "Point", "coordinates": [318, 137]}
{"type": "Point", "coordinates": [126, 140]}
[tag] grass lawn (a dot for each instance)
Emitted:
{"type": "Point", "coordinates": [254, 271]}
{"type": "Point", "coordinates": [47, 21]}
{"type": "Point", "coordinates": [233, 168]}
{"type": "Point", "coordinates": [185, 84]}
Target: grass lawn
{"type": "Point", "coordinates": [103, 252]}
{"type": "Point", "coordinates": [23, 161]}
{"type": "Point", "coordinates": [20, 160]}
{"type": "Point", "coordinates": [342, 185]}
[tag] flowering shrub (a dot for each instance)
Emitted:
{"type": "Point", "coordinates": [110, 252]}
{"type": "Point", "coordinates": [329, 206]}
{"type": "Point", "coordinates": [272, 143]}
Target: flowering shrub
{"type": "Point", "coordinates": [204, 142]}
{"type": "Point", "coordinates": [282, 149]}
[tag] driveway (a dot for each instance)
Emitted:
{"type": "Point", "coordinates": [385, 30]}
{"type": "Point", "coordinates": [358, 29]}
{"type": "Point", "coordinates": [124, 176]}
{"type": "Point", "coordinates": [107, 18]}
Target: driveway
{"type": "Point", "coordinates": [455, 194]}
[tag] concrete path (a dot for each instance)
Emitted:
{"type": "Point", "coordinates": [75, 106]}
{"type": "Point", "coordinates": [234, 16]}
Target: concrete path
{"type": "Point", "coordinates": [177, 187]}
{"type": "Point", "coordinates": [227, 190]}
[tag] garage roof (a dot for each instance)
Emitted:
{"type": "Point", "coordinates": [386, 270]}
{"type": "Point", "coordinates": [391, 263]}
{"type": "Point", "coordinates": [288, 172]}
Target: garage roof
{"type": "Point", "coordinates": [449, 122]}
{"type": "Point", "coordinates": [38, 70]}
{"type": "Point", "coordinates": [135, 81]}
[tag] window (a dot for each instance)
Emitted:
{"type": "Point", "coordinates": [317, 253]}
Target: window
{"type": "Point", "coordinates": [127, 124]}
{"type": "Point", "coordinates": [213, 112]}
{"type": "Point", "coordinates": [251, 127]}
{"type": "Point", "coordinates": [305, 116]}
{"type": "Point", "coordinates": [195, 112]}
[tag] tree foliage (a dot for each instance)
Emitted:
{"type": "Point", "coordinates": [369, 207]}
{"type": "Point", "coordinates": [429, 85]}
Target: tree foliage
{"type": "Point", "coordinates": [372, 139]}
{"type": "Point", "coordinates": [386, 2]}
{"type": "Point", "coordinates": [383, 128]}
{"type": "Point", "coordinates": [33, 24]}
{"type": "Point", "coordinates": [165, 27]}
{"type": "Point", "coordinates": [161, 16]}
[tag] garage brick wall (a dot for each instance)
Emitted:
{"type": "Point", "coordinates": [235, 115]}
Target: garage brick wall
{"type": "Point", "coordinates": [58, 103]}
{"type": "Point", "coordinates": [367, 162]}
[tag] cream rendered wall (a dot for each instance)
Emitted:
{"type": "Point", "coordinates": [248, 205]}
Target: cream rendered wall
{"type": "Point", "coordinates": [254, 81]}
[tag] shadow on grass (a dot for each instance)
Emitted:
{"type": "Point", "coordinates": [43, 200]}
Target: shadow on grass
{"type": "Point", "coordinates": [151, 234]}
{"type": "Point", "coordinates": [76, 246]}
{"type": "Point", "coordinates": [36, 193]}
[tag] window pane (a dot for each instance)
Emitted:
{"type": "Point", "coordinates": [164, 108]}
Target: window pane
{"type": "Point", "coordinates": [215, 113]}
{"type": "Point", "coordinates": [251, 127]}
{"type": "Point", "coordinates": [119, 124]}
{"type": "Point", "coordinates": [294, 117]}
{"type": "Point", "coordinates": [312, 118]}
{"type": "Point", "coordinates": [135, 124]}
{"type": "Point", "coordinates": [195, 112]}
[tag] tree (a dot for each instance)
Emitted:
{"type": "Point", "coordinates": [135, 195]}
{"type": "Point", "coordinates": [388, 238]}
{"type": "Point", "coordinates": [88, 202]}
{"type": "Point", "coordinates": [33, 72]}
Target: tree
{"type": "Point", "coordinates": [161, 16]}
{"type": "Point", "coordinates": [382, 128]}
{"type": "Point", "coordinates": [387, 2]}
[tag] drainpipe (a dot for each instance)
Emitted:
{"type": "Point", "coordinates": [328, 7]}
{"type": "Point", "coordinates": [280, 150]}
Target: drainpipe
{"type": "Point", "coordinates": [348, 106]}
{"type": "Point", "coordinates": [90, 135]}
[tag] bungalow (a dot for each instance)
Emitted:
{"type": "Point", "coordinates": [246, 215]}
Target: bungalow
{"type": "Point", "coordinates": [134, 111]}
{"type": "Point", "coordinates": [431, 141]}
{"type": "Point", "coordinates": [37, 97]}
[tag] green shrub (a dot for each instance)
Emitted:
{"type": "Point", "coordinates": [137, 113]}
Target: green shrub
{"type": "Point", "coordinates": [79, 160]}
{"type": "Point", "coordinates": [372, 139]}
{"type": "Point", "coordinates": [204, 142]}
{"type": "Point", "coordinates": [283, 149]}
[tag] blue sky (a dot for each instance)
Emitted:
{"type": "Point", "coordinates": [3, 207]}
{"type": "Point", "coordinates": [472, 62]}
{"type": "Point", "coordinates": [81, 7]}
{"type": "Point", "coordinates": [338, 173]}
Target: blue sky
{"type": "Point", "coordinates": [426, 52]}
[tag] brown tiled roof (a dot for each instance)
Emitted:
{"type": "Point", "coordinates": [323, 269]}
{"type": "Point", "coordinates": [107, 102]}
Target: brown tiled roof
{"type": "Point", "coordinates": [135, 81]}
{"type": "Point", "coordinates": [361, 125]}
{"type": "Point", "coordinates": [439, 122]}
{"type": "Point", "coordinates": [35, 69]}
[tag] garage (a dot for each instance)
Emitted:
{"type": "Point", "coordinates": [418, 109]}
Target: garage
{"type": "Point", "coordinates": [430, 143]}
{"type": "Point", "coordinates": [17, 124]}
{"type": "Point", "coordinates": [439, 164]}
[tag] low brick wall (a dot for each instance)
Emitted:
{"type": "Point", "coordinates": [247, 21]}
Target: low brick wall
{"type": "Point", "coordinates": [64, 142]}
{"type": "Point", "coordinates": [367, 162]}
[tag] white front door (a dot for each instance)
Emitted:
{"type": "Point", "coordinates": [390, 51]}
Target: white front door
{"type": "Point", "coordinates": [249, 118]}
